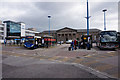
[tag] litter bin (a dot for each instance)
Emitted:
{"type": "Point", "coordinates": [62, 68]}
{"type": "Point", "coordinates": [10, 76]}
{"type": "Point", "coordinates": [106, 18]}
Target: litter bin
{"type": "Point", "coordinates": [69, 48]}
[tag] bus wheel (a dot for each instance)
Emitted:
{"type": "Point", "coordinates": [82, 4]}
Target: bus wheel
{"type": "Point", "coordinates": [114, 49]}
{"type": "Point", "coordinates": [101, 48]}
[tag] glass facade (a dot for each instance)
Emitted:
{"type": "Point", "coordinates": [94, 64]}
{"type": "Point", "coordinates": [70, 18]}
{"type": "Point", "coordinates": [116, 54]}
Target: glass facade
{"type": "Point", "coordinates": [13, 29]}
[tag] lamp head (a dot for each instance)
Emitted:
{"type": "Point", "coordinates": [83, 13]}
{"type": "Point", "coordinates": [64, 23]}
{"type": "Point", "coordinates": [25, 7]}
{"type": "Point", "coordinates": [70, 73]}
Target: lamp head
{"type": "Point", "coordinates": [49, 16]}
{"type": "Point", "coordinates": [104, 10]}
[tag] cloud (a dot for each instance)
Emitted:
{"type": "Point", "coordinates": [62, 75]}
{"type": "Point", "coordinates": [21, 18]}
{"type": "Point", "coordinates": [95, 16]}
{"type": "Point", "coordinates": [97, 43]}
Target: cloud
{"type": "Point", "coordinates": [59, 0]}
{"type": "Point", "coordinates": [71, 14]}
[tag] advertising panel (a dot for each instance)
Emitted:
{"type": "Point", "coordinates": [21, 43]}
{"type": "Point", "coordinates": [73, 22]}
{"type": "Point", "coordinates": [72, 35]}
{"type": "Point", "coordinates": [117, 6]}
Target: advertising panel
{"type": "Point", "coordinates": [22, 30]}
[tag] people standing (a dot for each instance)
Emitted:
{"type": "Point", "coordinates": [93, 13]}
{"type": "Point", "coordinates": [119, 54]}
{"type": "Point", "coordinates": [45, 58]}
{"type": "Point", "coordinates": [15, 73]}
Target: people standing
{"type": "Point", "coordinates": [20, 42]}
{"type": "Point", "coordinates": [10, 42]}
{"type": "Point", "coordinates": [17, 42]}
{"type": "Point", "coordinates": [5, 42]}
{"type": "Point", "coordinates": [47, 43]}
{"type": "Point", "coordinates": [75, 42]}
{"type": "Point", "coordinates": [43, 42]}
{"type": "Point", "coordinates": [79, 44]}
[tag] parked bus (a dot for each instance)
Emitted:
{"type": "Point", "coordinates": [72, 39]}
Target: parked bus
{"type": "Point", "coordinates": [119, 39]}
{"type": "Point", "coordinates": [107, 40]}
{"type": "Point", "coordinates": [32, 42]}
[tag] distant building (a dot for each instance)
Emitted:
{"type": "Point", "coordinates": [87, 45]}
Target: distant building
{"type": "Point", "coordinates": [32, 29]}
{"type": "Point", "coordinates": [14, 30]}
{"type": "Point", "coordinates": [52, 33]}
{"type": "Point", "coordinates": [1, 32]}
{"type": "Point", "coordinates": [66, 33]}
{"type": "Point", "coordinates": [31, 32]}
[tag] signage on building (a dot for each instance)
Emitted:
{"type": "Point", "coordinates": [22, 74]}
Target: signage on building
{"type": "Point", "coordinates": [22, 26]}
{"type": "Point", "coordinates": [30, 37]}
{"type": "Point", "coordinates": [22, 30]}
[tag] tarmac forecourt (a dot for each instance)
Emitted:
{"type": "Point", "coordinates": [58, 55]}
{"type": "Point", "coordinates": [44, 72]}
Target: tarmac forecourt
{"type": "Point", "coordinates": [90, 61]}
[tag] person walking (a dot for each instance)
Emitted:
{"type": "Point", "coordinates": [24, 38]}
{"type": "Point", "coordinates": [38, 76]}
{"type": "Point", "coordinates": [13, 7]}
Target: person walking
{"type": "Point", "coordinates": [72, 45]}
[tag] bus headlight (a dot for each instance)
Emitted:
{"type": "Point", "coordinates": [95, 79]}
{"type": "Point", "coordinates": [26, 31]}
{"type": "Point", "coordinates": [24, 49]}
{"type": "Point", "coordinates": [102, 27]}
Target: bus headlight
{"type": "Point", "coordinates": [32, 45]}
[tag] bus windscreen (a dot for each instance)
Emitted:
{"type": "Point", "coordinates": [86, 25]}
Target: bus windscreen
{"type": "Point", "coordinates": [108, 36]}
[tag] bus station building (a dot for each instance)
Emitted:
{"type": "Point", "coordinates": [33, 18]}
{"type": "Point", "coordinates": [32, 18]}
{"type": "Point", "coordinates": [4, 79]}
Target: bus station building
{"type": "Point", "coordinates": [67, 33]}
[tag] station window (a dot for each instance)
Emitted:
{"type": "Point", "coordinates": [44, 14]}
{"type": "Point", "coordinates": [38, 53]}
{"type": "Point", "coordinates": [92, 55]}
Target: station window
{"type": "Point", "coordinates": [69, 34]}
{"type": "Point", "coordinates": [73, 34]}
{"type": "Point", "coordinates": [58, 34]}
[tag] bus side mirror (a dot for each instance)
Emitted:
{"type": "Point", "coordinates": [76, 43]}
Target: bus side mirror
{"type": "Point", "coordinates": [118, 33]}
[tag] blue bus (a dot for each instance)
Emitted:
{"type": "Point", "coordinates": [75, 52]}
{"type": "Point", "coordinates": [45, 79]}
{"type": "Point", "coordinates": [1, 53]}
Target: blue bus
{"type": "Point", "coordinates": [32, 42]}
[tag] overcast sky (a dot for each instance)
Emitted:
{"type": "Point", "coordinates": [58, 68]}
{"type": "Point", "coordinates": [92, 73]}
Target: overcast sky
{"type": "Point", "coordinates": [63, 13]}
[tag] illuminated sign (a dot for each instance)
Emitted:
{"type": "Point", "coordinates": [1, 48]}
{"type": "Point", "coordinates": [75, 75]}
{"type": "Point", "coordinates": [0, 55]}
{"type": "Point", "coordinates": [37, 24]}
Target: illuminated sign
{"type": "Point", "coordinates": [49, 39]}
{"type": "Point", "coordinates": [30, 37]}
{"type": "Point", "coordinates": [85, 38]}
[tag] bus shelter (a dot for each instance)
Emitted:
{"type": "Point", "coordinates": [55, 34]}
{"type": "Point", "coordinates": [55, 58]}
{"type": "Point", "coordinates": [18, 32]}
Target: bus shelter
{"type": "Point", "coordinates": [48, 41]}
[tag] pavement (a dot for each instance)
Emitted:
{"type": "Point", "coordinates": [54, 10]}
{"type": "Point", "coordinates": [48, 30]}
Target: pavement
{"type": "Point", "coordinates": [30, 67]}
{"type": "Point", "coordinates": [104, 62]}
{"type": "Point", "coordinates": [43, 69]}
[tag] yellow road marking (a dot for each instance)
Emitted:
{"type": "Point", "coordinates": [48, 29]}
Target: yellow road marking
{"type": "Point", "coordinates": [59, 61]}
{"type": "Point", "coordinates": [104, 67]}
{"type": "Point", "coordinates": [78, 60]}
{"type": "Point", "coordinates": [16, 54]}
{"type": "Point", "coordinates": [65, 59]}
{"type": "Point", "coordinates": [98, 57]}
{"type": "Point", "coordinates": [53, 58]}
{"type": "Point", "coordinates": [108, 54]}
{"type": "Point", "coordinates": [95, 57]}
{"type": "Point", "coordinates": [103, 56]}
{"type": "Point", "coordinates": [88, 56]}
{"type": "Point", "coordinates": [112, 53]}
{"type": "Point", "coordinates": [41, 59]}
{"type": "Point", "coordinates": [36, 57]}
{"type": "Point", "coordinates": [88, 63]}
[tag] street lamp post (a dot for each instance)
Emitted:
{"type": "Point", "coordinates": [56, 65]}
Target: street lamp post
{"type": "Point", "coordinates": [49, 23]}
{"type": "Point", "coordinates": [87, 19]}
{"type": "Point", "coordinates": [88, 41]}
{"type": "Point", "coordinates": [104, 19]}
